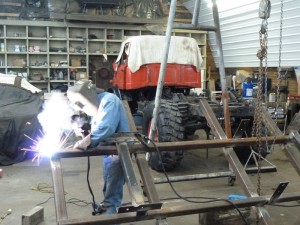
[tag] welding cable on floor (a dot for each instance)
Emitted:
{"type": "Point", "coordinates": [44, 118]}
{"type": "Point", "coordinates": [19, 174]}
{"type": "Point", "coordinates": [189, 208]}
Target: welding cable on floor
{"type": "Point", "coordinates": [90, 188]}
{"type": "Point", "coordinates": [78, 202]}
{"type": "Point", "coordinates": [183, 198]}
{"type": "Point", "coordinates": [41, 203]}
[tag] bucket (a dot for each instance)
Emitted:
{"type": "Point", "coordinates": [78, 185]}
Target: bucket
{"type": "Point", "coordinates": [272, 97]}
{"type": "Point", "coordinates": [247, 90]}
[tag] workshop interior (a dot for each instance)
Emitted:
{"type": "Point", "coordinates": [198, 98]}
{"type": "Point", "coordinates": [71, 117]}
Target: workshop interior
{"type": "Point", "coordinates": [211, 92]}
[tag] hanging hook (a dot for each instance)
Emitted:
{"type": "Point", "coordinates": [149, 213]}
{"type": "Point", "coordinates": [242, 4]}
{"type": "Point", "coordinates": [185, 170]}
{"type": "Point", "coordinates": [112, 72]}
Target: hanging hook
{"type": "Point", "coordinates": [264, 9]}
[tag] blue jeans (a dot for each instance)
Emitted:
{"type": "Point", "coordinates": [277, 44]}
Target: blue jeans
{"type": "Point", "coordinates": [113, 183]}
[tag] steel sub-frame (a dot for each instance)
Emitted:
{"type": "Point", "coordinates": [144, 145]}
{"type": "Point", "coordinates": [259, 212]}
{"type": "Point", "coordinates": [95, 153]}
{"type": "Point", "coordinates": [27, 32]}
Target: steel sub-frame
{"type": "Point", "coordinates": [62, 218]}
{"type": "Point", "coordinates": [290, 152]}
{"type": "Point", "coordinates": [148, 182]}
{"type": "Point", "coordinates": [205, 176]}
{"type": "Point", "coordinates": [233, 160]}
{"type": "Point", "coordinates": [179, 210]}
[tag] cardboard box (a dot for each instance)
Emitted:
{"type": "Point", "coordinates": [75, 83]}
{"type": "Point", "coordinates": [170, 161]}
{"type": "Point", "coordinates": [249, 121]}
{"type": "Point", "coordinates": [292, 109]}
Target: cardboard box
{"type": "Point", "coordinates": [81, 75]}
{"type": "Point", "coordinates": [75, 62]}
{"type": "Point", "coordinates": [19, 62]}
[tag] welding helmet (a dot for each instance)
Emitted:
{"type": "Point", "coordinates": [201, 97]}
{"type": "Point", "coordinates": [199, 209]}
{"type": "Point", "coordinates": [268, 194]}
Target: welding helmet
{"type": "Point", "coordinates": [84, 96]}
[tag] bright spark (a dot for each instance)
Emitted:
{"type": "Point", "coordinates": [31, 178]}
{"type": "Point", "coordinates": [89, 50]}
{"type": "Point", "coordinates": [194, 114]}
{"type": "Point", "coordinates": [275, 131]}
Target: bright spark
{"type": "Point", "coordinates": [55, 121]}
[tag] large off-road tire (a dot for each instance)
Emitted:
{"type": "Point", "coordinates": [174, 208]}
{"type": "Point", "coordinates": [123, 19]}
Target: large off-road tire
{"type": "Point", "coordinates": [170, 121]}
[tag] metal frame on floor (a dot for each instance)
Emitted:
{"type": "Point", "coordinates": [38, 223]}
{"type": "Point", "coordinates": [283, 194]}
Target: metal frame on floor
{"type": "Point", "coordinates": [139, 210]}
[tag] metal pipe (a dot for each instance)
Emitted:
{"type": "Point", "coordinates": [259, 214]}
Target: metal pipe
{"type": "Point", "coordinates": [163, 65]}
{"type": "Point", "coordinates": [196, 13]}
{"type": "Point", "coordinates": [225, 100]}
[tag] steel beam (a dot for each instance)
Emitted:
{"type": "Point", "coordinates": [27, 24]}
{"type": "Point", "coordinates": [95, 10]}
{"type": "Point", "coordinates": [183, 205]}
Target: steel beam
{"type": "Point", "coordinates": [180, 210]}
{"type": "Point", "coordinates": [291, 153]}
{"type": "Point", "coordinates": [204, 176]}
{"type": "Point", "coordinates": [132, 184]}
{"type": "Point", "coordinates": [172, 146]}
{"type": "Point", "coordinates": [58, 187]}
{"type": "Point", "coordinates": [147, 179]}
{"type": "Point", "coordinates": [234, 162]}
{"type": "Point", "coordinates": [270, 123]}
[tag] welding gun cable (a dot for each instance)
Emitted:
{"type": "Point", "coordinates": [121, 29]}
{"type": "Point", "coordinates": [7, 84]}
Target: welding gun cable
{"type": "Point", "coordinates": [89, 185]}
{"type": "Point", "coordinates": [41, 203]}
{"type": "Point", "coordinates": [187, 200]}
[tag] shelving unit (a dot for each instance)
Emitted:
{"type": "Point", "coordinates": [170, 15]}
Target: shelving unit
{"type": "Point", "coordinates": [53, 54]}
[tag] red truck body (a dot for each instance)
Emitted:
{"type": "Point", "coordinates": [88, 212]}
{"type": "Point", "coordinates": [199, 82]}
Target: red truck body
{"type": "Point", "coordinates": [138, 63]}
{"type": "Point", "coordinates": [176, 75]}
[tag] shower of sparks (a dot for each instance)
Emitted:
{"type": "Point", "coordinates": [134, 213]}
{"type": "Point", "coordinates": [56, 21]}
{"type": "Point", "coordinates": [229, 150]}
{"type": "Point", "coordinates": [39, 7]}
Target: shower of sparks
{"type": "Point", "coordinates": [55, 121]}
{"type": "Point", "coordinates": [48, 144]}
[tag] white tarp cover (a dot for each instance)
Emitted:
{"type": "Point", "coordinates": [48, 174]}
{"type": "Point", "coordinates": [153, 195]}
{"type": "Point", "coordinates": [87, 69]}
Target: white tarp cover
{"type": "Point", "coordinates": [149, 49]}
{"type": "Point", "coordinates": [10, 79]}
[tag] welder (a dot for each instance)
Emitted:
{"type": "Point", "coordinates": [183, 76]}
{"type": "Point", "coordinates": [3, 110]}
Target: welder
{"type": "Point", "coordinates": [108, 117]}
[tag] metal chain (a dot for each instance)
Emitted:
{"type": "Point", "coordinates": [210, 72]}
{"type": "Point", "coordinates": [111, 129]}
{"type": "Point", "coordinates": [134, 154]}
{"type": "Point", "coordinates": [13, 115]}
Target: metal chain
{"type": "Point", "coordinates": [266, 59]}
{"type": "Point", "coordinates": [258, 120]}
{"type": "Point", "coordinates": [280, 76]}
{"type": "Point", "coordinates": [263, 70]}
{"type": "Point", "coordinates": [258, 111]}
{"type": "Point", "coordinates": [262, 54]}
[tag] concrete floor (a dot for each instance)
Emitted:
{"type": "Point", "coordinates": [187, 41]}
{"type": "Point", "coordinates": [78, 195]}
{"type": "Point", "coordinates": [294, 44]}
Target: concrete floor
{"type": "Point", "coordinates": [17, 187]}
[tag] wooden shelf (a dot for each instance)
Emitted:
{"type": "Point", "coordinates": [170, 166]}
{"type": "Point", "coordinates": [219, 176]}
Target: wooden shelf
{"type": "Point", "coordinates": [60, 43]}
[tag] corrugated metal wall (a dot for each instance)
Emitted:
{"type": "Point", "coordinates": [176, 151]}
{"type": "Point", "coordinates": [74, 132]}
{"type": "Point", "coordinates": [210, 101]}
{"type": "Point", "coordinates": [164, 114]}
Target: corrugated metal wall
{"type": "Point", "coordinates": [240, 27]}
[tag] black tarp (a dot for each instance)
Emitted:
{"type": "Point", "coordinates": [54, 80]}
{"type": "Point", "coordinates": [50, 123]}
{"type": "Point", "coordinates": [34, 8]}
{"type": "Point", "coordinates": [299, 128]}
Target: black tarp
{"type": "Point", "coordinates": [18, 116]}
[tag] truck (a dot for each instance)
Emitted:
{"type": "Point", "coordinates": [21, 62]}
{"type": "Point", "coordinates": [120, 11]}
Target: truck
{"type": "Point", "coordinates": [136, 72]}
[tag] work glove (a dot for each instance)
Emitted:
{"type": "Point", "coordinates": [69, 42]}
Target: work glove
{"type": "Point", "coordinates": [80, 124]}
{"type": "Point", "coordinates": [84, 143]}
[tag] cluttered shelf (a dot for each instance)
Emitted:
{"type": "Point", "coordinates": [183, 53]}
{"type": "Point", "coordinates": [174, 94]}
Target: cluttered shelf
{"type": "Point", "coordinates": [43, 51]}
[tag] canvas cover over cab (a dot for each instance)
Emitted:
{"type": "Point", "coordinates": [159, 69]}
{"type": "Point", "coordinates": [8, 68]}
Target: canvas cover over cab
{"type": "Point", "coordinates": [20, 104]}
{"type": "Point", "coordinates": [139, 61]}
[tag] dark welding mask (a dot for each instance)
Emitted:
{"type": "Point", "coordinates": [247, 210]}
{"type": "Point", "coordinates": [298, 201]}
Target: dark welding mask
{"type": "Point", "coordinates": [84, 96]}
